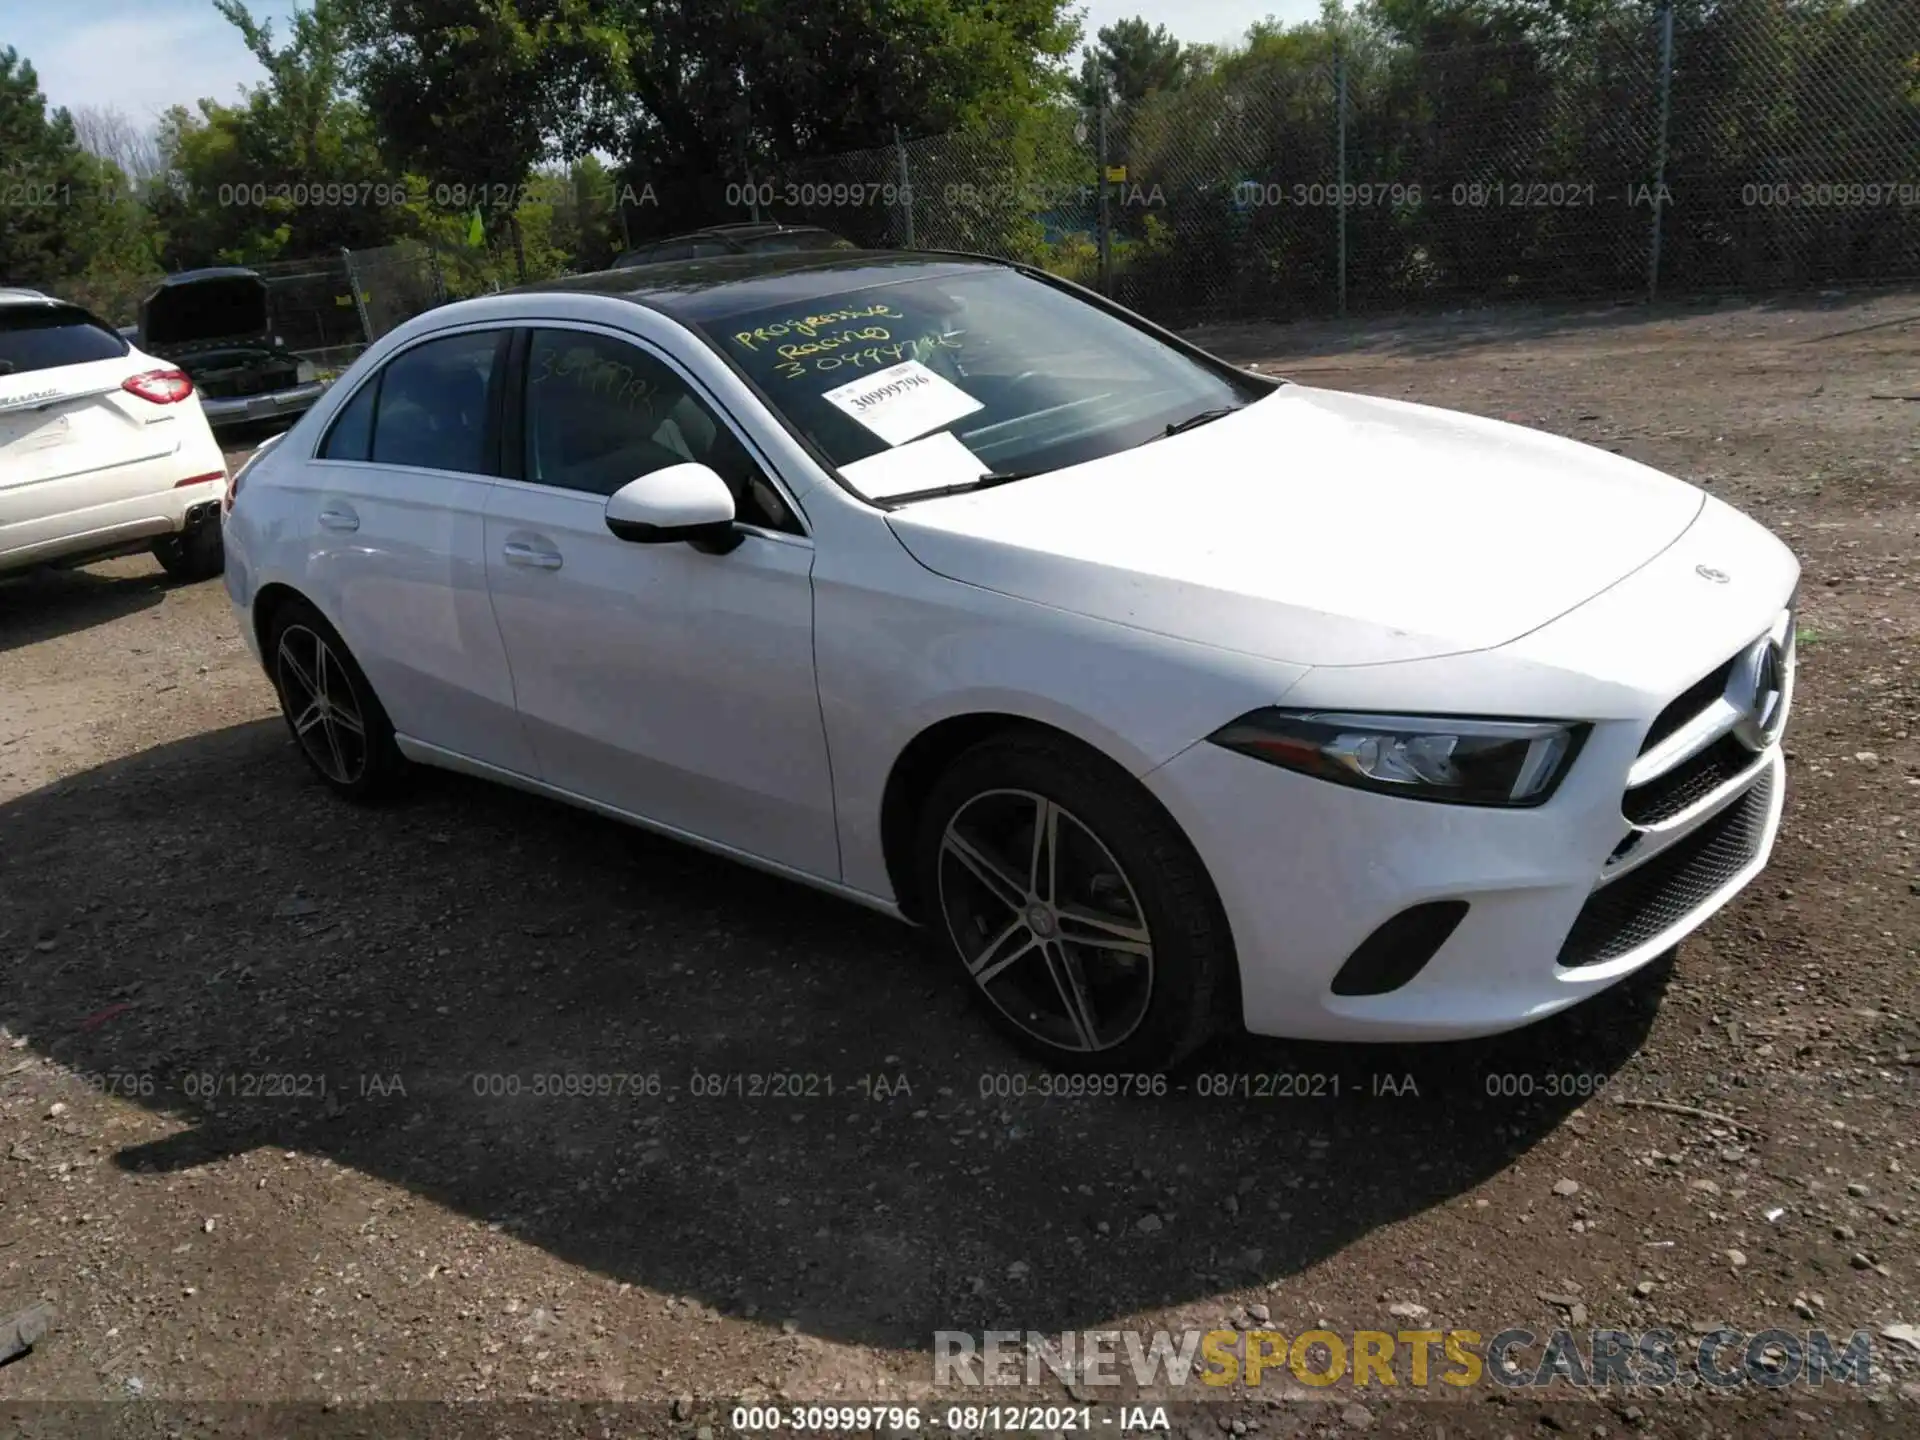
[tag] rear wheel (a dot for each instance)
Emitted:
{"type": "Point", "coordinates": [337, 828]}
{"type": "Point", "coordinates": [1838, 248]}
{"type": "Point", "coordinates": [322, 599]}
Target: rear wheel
{"type": "Point", "coordinates": [196, 553]}
{"type": "Point", "coordinates": [1079, 913]}
{"type": "Point", "coordinates": [336, 719]}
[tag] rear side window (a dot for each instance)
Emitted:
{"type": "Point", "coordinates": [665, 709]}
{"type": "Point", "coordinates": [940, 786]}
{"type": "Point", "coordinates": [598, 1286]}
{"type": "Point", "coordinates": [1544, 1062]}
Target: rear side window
{"type": "Point", "coordinates": [45, 337]}
{"type": "Point", "coordinates": [351, 437]}
{"type": "Point", "coordinates": [435, 404]}
{"type": "Point", "coordinates": [431, 407]}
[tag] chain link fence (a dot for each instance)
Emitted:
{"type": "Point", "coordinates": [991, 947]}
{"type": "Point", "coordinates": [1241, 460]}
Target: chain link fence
{"type": "Point", "coordinates": [1748, 143]}
{"type": "Point", "coordinates": [1794, 147]}
{"type": "Point", "coordinates": [392, 284]}
{"type": "Point", "coordinates": [311, 305]}
{"type": "Point", "coordinates": [1752, 144]}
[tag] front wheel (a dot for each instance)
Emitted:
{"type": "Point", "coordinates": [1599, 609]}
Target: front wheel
{"type": "Point", "coordinates": [1078, 911]}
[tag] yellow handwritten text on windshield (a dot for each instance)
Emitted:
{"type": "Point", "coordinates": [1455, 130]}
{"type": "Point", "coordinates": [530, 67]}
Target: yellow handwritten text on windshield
{"type": "Point", "coordinates": [810, 325]}
{"type": "Point", "coordinates": [886, 351]}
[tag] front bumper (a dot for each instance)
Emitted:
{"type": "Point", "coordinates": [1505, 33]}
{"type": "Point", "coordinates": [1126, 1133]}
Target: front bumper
{"type": "Point", "coordinates": [1307, 870]}
{"type": "Point", "coordinates": [1654, 828]}
{"type": "Point", "coordinates": [239, 409]}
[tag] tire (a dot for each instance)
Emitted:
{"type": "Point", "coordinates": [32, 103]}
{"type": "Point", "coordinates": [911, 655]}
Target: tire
{"type": "Point", "coordinates": [1128, 921]}
{"type": "Point", "coordinates": [196, 553]}
{"type": "Point", "coordinates": [347, 740]}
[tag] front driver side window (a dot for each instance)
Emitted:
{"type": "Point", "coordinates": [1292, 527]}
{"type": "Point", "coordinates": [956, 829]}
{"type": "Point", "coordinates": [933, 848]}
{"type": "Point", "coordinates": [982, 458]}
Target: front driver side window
{"type": "Point", "coordinates": [601, 412]}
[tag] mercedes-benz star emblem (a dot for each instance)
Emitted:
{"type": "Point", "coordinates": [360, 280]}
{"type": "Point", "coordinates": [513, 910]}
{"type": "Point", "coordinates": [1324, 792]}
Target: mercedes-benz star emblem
{"type": "Point", "coordinates": [1758, 695]}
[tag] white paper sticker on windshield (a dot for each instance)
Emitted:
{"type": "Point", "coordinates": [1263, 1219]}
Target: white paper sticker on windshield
{"type": "Point", "coordinates": [926, 464]}
{"type": "Point", "coordinates": [902, 401]}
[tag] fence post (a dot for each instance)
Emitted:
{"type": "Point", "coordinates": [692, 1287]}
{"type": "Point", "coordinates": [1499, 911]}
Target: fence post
{"type": "Point", "coordinates": [359, 301]}
{"type": "Point", "coordinates": [1660, 150]}
{"type": "Point", "coordinates": [1106, 222]}
{"type": "Point", "coordinates": [905, 187]}
{"type": "Point", "coordinates": [1340, 132]}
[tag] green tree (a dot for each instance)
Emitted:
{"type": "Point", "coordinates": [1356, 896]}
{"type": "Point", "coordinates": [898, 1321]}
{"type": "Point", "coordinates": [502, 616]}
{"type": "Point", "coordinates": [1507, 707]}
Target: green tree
{"type": "Point", "coordinates": [293, 170]}
{"type": "Point", "coordinates": [585, 228]}
{"type": "Point", "coordinates": [721, 91]}
{"type": "Point", "coordinates": [66, 214]}
{"type": "Point", "coordinates": [472, 94]}
{"type": "Point", "coordinates": [1132, 60]}
{"type": "Point", "coordinates": [305, 78]}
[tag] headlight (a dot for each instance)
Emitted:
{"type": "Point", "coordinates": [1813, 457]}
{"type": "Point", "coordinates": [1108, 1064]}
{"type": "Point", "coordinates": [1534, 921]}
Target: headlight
{"type": "Point", "coordinates": [306, 373]}
{"type": "Point", "coordinates": [1459, 761]}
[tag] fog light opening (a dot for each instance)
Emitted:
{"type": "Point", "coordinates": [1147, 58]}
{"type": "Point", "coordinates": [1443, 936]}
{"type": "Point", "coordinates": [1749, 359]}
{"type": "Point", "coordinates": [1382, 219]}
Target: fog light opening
{"type": "Point", "coordinates": [1399, 949]}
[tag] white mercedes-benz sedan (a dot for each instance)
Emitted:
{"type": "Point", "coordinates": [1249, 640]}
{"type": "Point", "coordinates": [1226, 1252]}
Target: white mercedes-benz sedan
{"type": "Point", "coordinates": [1167, 696]}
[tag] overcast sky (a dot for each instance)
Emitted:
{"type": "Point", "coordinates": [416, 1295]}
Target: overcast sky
{"type": "Point", "coordinates": [143, 55]}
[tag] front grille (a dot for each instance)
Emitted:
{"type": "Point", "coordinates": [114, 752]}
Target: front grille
{"type": "Point", "coordinates": [1689, 703]}
{"type": "Point", "coordinates": [1668, 888]}
{"type": "Point", "coordinates": [1688, 783]}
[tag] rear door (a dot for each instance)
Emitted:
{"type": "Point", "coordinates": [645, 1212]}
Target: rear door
{"type": "Point", "coordinates": [71, 439]}
{"type": "Point", "coordinates": [394, 505]}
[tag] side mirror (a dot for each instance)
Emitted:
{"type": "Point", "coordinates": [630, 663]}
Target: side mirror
{"type": "Point", "coordinates": [687, 503]}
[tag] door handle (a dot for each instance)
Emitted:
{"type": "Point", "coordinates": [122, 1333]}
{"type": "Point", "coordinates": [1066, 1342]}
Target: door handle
{"type": "Point", "coordinates": [339, 517]}
{"type": "Point", "coordinates": [533, 557]}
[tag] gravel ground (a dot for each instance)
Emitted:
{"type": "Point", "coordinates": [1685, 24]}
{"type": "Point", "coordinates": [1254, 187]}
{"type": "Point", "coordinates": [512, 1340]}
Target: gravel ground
{"type": "Point", "coordinates": [271, 1111]}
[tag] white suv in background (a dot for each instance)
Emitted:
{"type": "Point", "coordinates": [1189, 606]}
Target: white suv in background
{"type": "Point", "coordinates": [103, 449]}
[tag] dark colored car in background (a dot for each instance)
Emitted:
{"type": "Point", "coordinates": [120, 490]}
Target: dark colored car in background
{"type": "Point", "coordinates": [217, 326]}
{"type": "Point", "coordinates": [746, 238]}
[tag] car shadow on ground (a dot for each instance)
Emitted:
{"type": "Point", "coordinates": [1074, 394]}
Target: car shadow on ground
{"type": "Point", "coordinates": [38, 605]}
{"type": "Point", "coordinates": [206, 914]}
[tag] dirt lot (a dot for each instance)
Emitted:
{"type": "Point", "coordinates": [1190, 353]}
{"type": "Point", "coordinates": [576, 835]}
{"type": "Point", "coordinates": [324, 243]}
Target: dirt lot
{"type": "Point", "coordinates": [269, 1115]}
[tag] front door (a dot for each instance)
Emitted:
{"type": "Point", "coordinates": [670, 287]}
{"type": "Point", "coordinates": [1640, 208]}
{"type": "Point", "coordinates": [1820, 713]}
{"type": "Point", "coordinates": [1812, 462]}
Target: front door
{"type": "Point", "coordinates": [670, 683]}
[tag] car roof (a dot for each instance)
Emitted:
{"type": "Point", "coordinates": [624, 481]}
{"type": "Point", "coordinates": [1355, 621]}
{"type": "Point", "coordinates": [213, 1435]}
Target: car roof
{"type": "Point", "coordinates": [735, 230]}
{"type": "Point", "coordinates": [748, 229]}
{"type": "Point", "coordinates": [20, 295]}
{"type": "Point", "coordinates": [701, 290]}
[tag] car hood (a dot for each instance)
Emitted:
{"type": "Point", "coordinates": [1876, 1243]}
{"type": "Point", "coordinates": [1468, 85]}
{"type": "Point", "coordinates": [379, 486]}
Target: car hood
{"type": "Point", "coordinates": [1318, 528]}
{"type": "Point", "coordinates": [190, 311]}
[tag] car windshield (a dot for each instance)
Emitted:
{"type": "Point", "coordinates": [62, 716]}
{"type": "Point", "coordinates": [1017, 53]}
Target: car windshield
{"type": "Point", "coordinates": [45, 337]}
{"type": "Point", "coordinates": [939, 380]}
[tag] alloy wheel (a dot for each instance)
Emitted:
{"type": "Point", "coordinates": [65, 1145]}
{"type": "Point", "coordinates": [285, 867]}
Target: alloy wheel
{"type": "Point", "coordinates": [1046, 920]}
{"type": "Point", "coordinates": [322, 705]}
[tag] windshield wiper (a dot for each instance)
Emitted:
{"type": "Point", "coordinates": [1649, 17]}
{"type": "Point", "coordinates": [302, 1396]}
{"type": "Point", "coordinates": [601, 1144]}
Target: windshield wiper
{"type": "Point", "coordinates": [1194, 422]}
{"type": "Point", "coordinates": [964, 487]}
